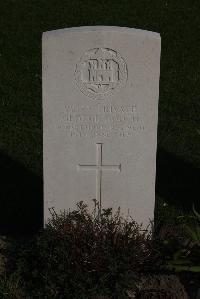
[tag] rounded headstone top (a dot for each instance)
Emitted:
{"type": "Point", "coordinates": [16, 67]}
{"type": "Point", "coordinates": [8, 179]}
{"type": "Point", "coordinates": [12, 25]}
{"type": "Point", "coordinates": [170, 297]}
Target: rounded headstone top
{"type": "Point", "coordinates": [128, 30]}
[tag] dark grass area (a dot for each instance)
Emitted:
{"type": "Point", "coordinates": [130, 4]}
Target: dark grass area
{"type": "Point", "coordinates": [21, 208]}
{"type": "Point", "coordinates": [21, 25]}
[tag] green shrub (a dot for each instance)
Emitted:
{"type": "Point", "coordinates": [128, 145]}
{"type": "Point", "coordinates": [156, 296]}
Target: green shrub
{"type": "Point", "coordinates": [186, 255]}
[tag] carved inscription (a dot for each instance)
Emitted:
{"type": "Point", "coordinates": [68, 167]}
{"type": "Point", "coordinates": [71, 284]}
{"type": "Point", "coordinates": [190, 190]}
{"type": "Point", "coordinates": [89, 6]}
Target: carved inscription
{"type": "Point", "coordinates": [90, 121]}
{"type": "Point", "coordinates": [99, 72]}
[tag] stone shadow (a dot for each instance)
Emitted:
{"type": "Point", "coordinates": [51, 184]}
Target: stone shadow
{"type": "Point", "coordinates": [177, 181]}
{"type": "Point", "coordinates": [21, 198]}
{"type": "Point", "coordinates": [21, 191]}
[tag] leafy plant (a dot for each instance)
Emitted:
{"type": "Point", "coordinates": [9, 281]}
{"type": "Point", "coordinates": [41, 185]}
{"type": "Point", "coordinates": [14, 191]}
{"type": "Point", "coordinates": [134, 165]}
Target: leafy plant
{"type": "Point", "coordinates": [194, 228]}
{"type": "Point", "coordinates": [187, 254]}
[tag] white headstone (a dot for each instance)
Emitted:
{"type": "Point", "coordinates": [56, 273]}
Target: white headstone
{"type": "Point", "coordinates": [100, 112]}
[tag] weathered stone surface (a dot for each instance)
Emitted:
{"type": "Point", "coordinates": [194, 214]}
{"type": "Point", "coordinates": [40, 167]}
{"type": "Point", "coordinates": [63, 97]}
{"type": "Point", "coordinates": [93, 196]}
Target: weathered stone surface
{"type": "Point", "coordinates": [100, 110]}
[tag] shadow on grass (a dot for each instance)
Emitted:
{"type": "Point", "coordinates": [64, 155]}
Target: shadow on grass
{"type": "Point", "coordinates": [21, 192]}
{"type": "Point", "coordinates": [21, 206]}
{"type": "Point", "coordinates": [177, 181]}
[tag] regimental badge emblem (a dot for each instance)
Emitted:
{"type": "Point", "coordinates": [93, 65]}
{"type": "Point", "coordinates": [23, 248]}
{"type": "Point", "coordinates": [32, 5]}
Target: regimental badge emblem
{"type": "Point", "coordinates": [100, 72]}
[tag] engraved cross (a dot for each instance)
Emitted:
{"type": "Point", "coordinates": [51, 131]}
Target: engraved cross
{"type": "Point", "coordinates": [99, 168]}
